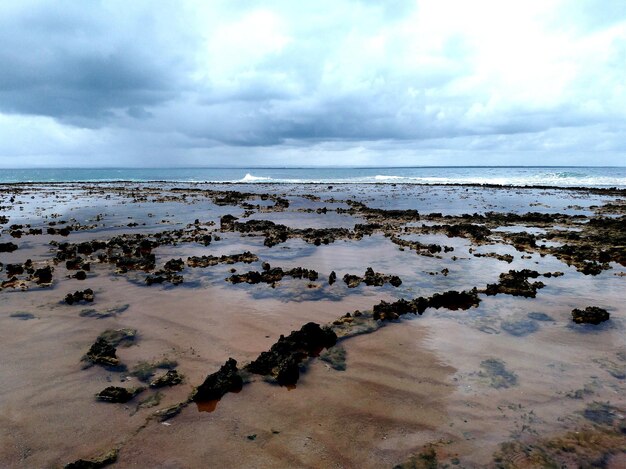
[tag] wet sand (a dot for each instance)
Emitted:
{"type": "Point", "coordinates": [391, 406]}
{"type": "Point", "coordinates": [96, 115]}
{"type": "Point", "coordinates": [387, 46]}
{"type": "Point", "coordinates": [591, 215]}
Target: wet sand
{"type": "Point", "coordinates": [510, 381]}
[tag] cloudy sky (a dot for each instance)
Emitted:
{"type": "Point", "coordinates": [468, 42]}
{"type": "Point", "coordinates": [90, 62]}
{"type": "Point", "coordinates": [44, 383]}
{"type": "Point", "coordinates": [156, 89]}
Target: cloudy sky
{"type": "Point", "coordinates": [242, 83]}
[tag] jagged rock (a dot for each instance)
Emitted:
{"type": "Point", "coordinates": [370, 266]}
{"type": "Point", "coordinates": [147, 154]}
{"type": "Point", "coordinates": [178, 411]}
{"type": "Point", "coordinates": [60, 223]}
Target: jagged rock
{"type": "Point", "coordinates": [102, 353]}
{"type": "Point", "coordinates": [332, 278]}
{"type": "Point", "coordinates": [208, 261]}
{"type": "Point", "coordinates": [8, 247]}
{"type": "Point", "coordinates": [174, 265]}
{"type": "Point", "coordinates": [371, 278]}
{"type": "Point", "coordinates": [516, 283]}
{"type": "Point", "coordinates": [452, 300]}
{"type": "Point", "coordinates": [78, 296]}
{"type": "Point", "coordinates": [226, 379]}
{"type": "Point", "coordinates": [97, 463]}
{"type": "Point", "coordinates": [117, 394]}
{"type": "Point", "coordinates": [284, 357]}
{"type": "Point", "coordinates": [590, 315]}
{"type": "Point", "coordinates": [273, 275]}
{"type": "Point", "coordinates": [171, 378]}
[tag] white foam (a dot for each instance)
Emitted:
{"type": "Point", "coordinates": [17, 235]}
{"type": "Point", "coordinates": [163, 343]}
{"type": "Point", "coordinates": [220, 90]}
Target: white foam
{"type": "Point", "coordinates": [380, 177]}
{"type": "Point", "coordinates": [250, 178]}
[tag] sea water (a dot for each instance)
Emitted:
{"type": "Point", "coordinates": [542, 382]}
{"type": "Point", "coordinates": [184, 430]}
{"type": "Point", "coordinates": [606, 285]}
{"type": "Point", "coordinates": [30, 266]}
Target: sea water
{"type": "Point", "coordinates": [504, 175]}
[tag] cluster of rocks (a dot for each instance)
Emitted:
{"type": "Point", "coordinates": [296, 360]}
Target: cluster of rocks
{"type": "Point", "coordinates": [116, 394]}
{"type": "Point", "coordinates": [453, 300]}
{"type": "Point", "coordinates": [208, 261]}
{"type": "Point", "coordinates": [168, 273]}
{"type": "Point", "coordinates": [20, 275]}
{"type": "Point", "coordinates": [79, 296]}
{"type": "Point", "coordinates": [516, 283]}
{"type": "Point", "coordinates": [282, 361]}
{"type": "Point", "coordinates": [420, 248]}
{"type": "Point", "coordinates": [590, 315]}
{"type": "Point", "coordinates": [272, 275]}
{"type": "Point", "coordinates": [370, 278]}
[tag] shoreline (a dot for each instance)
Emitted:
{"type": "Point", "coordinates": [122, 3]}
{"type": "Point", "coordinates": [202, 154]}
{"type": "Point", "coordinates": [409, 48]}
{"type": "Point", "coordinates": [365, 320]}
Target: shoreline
{"type": "Point", "coordinates": [483, 301]}
{"type": "Point", "coordinates": [612, 190]}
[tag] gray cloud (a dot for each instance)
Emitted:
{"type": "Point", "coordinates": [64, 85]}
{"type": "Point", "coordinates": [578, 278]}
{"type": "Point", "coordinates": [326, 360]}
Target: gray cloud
{"type": "Point", "coordinates": [400, 82]}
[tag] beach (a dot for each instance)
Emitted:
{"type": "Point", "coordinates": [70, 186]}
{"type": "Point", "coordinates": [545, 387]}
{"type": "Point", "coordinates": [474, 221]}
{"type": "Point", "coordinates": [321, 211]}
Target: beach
{"type": "Point", "coordinates": [454, 325]}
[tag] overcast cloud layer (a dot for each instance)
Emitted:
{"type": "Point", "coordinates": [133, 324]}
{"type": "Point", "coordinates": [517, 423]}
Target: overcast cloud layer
{"type": "Point", "coordinates": [240, 83]}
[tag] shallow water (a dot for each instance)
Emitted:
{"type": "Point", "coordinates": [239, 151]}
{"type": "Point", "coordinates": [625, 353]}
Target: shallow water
{"type": "Point", "coordinates": [465, 381]}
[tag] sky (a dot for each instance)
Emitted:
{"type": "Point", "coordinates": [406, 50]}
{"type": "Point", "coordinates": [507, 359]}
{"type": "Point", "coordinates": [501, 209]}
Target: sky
{"type": "Point", "coordinates": [292, 83]}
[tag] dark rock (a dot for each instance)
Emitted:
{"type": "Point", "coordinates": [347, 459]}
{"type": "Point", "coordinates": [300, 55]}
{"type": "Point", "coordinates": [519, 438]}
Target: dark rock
{"type": "Point", "coordinates": [273, 275]}
{"type": "Point", "coordinates": [43, 275]}
{"type": "Point", "coordinates": [174, 265]}
{"type": "Point", "coordinates": [102, 353]}
{"type": "Point", "coordinates": [352, 281]}
{"type": "Point", "coordinates": [14, 269]}
{"type": "Point", "coordinates": [171, 378]}
{"type": "Point", "coordinates": [78, 296]}
{"type": "Point", "coordinates": [80, 275]}
{"type": "Point", "coordinates": [98, 463]}
{"type": "Point", "coordinates": [8, 247]}
{"type": "Point", "coordinates": [118, 395]}
{"type": "Point", "coordinates": [455, 300]}
{"type": "Point", "coordinates": [208, 261]}
{"type": "Point", "coordinates": [590, 315]}
{"type": "Point", "coordinates": [170, 412]}
{"type": "Point", "coordinates": [516, 283]}
{"type": "Point", "coordinates": [452, 300]}
{"type": "Point", "coordinates": [332, 278]}
{"type": "Point", "coordinates": [226, 379]}
{"type": "Point", "coordinates": [284, 357]}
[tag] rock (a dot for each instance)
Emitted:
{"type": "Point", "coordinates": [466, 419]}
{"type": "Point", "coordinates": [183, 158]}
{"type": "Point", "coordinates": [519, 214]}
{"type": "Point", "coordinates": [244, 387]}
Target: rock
{"type": "Point", "coordinates": [8, 247]}
{"type": "Point", "coordinates": [516, 283]}
{"type": "Point", "coordinates": [590, 315]}
{"type": "Point", "coordinates": [273, 275]}
{"type": "Point", "coordinates": [78, 296]}
{"type": "Point", "coordinates": [371, 278]}
{"type": "Point", "coordinates": [455, 300]}
{"type": "Point", "coordinates": [174, 265]}
{"type": "Point", "coordinates": [352, 281]}
{"type": "Point", "coordinates": [14, 269]}
{"type": "Point", "coordinates": [116, 337]}
{"type": "Point", "coordinates": [171, 378]}
{"type": "Point", "coordinates": [117, 394]}
{"type": "Point", "coordinates": [226, 379]}
{"type": "Point", "coordinates": [97, 463]}
{"type": "Point", "coordinates": [43, 275]}
{"type": "Point", "coordinates": [452, 300]}
{"type": "Point", "coordinates": [284, 357]}
{"type": "Point", "coordinates": [208, 261]}
{"type": "Point", "coordinates": [80, 275]}
{"type": "Point", "coordinates": [332, 278]}
{"type": "Point", "coordinates": [395, 281]}
{"type": "Point", "coordinates": [170, 412]}
{"type": "Point", "coordinates": [102, 353]}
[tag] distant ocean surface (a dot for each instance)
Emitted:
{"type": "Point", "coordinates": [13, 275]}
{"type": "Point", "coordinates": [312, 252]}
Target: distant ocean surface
{"type": "Point", "coordinates": [519, 176]}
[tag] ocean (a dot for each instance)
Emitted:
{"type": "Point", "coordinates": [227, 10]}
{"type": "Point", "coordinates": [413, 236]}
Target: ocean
{"type": "Point", "coordinates": [516, 175]}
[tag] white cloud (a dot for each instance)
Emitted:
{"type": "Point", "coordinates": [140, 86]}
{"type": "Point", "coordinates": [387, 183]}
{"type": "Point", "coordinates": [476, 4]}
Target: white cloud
{"type": "Point", "coordinates": [289, 82]}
